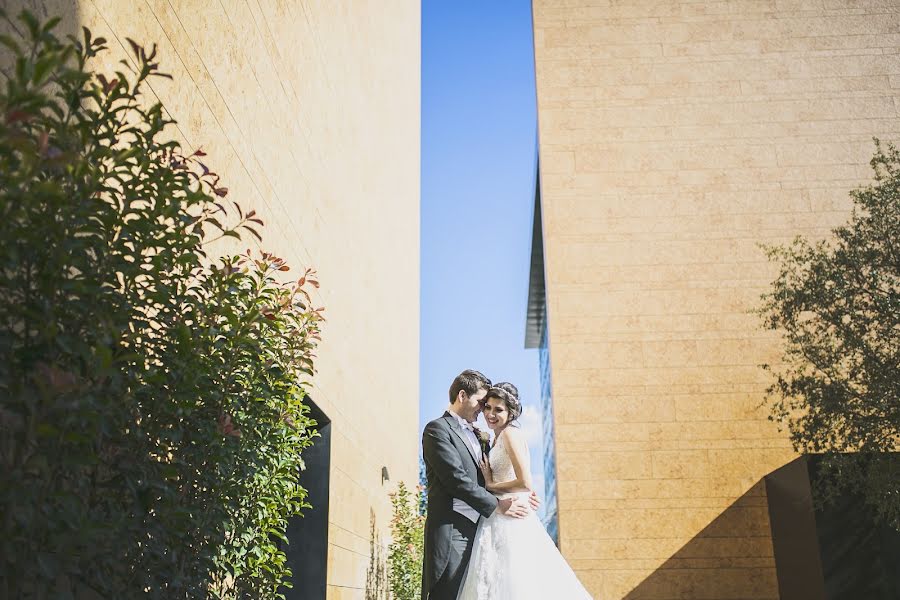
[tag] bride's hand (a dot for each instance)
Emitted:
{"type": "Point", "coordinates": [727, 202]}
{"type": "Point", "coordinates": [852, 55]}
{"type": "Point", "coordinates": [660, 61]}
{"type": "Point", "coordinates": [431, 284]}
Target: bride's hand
{"type": "Point", "coordinates": [486, 470]}
{"type": "Point", "coordinates": [512, 508]}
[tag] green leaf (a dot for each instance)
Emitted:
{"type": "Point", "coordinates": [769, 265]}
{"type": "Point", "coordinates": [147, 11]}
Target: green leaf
{"type": "Point", "coordinates": [46, 430]}
{"type": "Point", "coordinates": [10, 43]}
{"type": "Point", "coordinates": [22, 70]}
{"type": "Point", "coordinates": [31, 23]}
{"type": "Point", "coordinates": [43, 68]}
{"type": "Point", "coordinates": [50, 24]}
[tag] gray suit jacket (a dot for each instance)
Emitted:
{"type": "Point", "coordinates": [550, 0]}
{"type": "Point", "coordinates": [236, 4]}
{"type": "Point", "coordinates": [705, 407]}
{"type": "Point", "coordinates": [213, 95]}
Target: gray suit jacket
{"type": "Point", "coordinates": [452, 472]}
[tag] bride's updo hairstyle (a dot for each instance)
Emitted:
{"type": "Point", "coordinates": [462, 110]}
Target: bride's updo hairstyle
{"type": "Point", "coordinates": [509, 394]}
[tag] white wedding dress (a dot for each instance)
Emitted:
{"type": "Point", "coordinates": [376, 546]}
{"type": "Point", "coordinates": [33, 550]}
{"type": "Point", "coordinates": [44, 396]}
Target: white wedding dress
{"type": "Point", "coordinates": [515, 559]}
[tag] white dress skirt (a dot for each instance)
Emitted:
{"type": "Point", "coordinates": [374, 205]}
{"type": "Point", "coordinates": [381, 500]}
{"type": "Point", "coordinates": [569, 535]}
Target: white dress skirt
{"type": "Point", "coordinates": [515, 559]}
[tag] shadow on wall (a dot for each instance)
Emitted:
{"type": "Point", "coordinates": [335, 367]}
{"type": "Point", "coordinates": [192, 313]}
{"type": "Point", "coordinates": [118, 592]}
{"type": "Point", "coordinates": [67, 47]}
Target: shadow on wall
{"type": "Point", "coordinates": [730, 558]}
{"type": "Point", "coordinates": [376, 574]}
{"type": "Point", "coordinates": [775, 543]}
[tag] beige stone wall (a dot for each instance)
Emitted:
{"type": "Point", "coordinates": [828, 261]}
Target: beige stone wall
{"type": "Point", "coordinates": [310, 112]}
{"type": "Point", "coordinates": [674, 137]}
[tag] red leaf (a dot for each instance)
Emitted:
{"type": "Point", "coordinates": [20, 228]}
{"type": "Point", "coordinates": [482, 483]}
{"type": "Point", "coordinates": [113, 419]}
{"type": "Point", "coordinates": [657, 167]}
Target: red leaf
{"type": "Point", "coordinates": [226, 427]}
{"type": "Point", "coordinates": [221, 192]}
{"type": "Point", "coordinates": [17, 115]}
{"type": "Point", "coordinates": [58, 380]}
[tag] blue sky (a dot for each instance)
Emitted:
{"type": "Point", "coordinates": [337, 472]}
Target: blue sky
{"type": "Point", "coordinates": [478, 158]}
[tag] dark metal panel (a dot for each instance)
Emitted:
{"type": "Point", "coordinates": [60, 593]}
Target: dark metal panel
{"type": "Point", "coordinates": [537, 297]}
{"type": "Point", "coordinates": [307, 550]}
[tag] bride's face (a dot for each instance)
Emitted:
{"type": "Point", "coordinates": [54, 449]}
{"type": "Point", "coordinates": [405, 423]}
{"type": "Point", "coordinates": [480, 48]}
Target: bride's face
{"type": "Point", "coordinates": [495, 414]}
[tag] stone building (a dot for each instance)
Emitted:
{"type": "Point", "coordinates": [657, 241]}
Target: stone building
{"type": "Point", "coordinates": [674, 138]}
{"type": "Point", "coordinates": [310, 113]}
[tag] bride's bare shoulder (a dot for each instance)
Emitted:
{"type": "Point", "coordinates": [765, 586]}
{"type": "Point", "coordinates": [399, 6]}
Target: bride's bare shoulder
{"type": "Point", "coordinates": [513, 435]}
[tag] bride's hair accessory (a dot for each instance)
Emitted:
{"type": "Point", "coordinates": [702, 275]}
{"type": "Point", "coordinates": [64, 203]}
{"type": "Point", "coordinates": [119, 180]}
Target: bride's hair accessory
{"type": "Point", "coordinates": [510, 395]}
{"type": "Point", "coordinates": [510, 388]}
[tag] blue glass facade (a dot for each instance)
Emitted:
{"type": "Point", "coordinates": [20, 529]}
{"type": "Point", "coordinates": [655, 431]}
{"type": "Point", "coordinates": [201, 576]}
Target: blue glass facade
{"type": "Point", "coordinates": [536, 337]}
{"type": "Point", "coordinates": [551, 509]}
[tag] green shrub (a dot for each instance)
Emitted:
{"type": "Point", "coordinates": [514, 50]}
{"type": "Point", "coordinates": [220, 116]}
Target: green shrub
{"type": "Point", "coordinates": [151, 416]}
{"type": "Point", "coordinates": [407, 547]}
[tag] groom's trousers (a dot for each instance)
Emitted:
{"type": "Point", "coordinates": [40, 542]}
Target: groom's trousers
{"type": "Point", "coordinates": [461, 542]}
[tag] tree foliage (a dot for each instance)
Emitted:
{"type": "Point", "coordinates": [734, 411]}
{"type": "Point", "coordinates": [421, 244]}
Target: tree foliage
{"type": "Point", "coordinates": [407, 548]}
{"type": "Point", "coordinates": [423, 487]}
{"type": "Point", "coordinates": [151, 398]}
{"type": "Point", "coordinates": [837, 303]}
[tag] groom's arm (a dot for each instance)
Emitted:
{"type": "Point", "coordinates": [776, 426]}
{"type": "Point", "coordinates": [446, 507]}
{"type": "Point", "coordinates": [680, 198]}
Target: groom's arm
{"type": "Point", "coordinates": [446, 462]}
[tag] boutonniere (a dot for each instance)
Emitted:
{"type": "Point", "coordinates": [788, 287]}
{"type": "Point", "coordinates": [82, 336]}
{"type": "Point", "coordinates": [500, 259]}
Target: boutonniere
{"type": "Point", "coordinates": [484, 438]}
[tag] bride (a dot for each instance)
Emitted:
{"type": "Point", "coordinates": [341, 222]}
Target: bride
{"type": "Point", "coordinates": [513, 559]}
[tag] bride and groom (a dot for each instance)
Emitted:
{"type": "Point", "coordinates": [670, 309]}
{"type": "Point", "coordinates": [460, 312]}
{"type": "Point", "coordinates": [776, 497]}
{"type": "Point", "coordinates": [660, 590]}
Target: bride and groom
{"type": "Point", "coordinates": [483, 540]}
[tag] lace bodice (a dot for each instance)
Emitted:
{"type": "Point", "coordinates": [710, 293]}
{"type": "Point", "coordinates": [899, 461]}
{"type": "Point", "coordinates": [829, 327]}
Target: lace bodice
{"type": "Point", "coordinates": [501, 465]}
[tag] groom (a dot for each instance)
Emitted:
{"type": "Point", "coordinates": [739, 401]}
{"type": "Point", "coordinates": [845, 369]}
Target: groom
{"type": "Point", "coordinates": [456, 494]}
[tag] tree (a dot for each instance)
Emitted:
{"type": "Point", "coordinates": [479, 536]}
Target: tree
{"type": "Point", "coordinates": [837, 303]}
{"type": "Point", "coordinates": [407, 548]}
{"type": "Point", "coordinates": [151, 397]}
{"type": "Point", "coordinates": [423, 487]}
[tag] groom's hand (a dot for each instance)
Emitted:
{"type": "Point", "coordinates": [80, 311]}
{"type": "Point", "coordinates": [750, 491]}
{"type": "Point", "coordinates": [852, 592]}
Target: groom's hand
{"type": "Point", "coordinates": [534, 501]}
{"type": "Point", "coordinates": [510, 508]}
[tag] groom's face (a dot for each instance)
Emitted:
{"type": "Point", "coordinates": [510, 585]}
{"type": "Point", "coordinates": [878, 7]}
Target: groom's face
{"type": "Point", "coordinates": [471, 406]}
